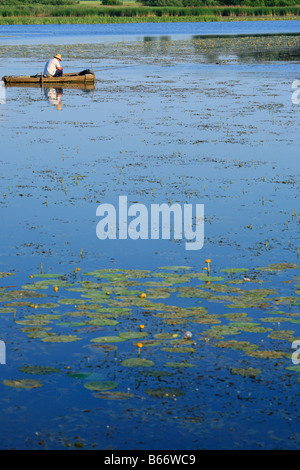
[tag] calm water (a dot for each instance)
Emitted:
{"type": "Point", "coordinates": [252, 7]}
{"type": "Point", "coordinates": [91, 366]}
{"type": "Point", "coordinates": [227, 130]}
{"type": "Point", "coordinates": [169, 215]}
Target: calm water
{"type": "Point", "coordinates": [180, 113]}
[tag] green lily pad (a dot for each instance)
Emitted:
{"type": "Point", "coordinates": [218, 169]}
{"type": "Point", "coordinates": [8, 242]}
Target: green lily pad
{"type": "Point", "coordinates": [295, 368]}
{"type": "Point", "coordinates": [133, 334]}
{"type": "Point", "coordinates": [7, 310]}
{"type": "Point", "coordinates": [108, 339]}
{"type": "Point", "coordinates": [156, 373]}
{"type": "Point", "coordinates": [278, 267]}
{"type": "Point", "coordinates": [178, 349]}
{"type": "Point", "coordinates": [206, 320]}
{"type": "Point", "coordinates": [234, 270]}
{"type": "Point", "coordinates": [175, 268]}
{"type": "Point", "coordinates": [99, 386]}
{"type": "Point", "coordinates": [114, 395]}
{"type": "Point", "coordinates": [164, 392]}
{"type": "Point", "coordinates": [217, 331]}
{"type": "Point", "coordinates": [190, 292]}
{"type": "Point", "coordinates": [49, 275]}
{"type": "Point", "coordinates": [137, 362]}
{"type": "Point", "coordinates": [39, 334]}
{"type": "Point", "coordinates": [237, 345]}
{"type": "Point", "coordinates": [250, 327]}
{"type": "Point", "coordinates": [79, 375]}
{"type": "Point", "coordinates": [266, 354]}
{"type": "Point", "coordinates": [166, 335]}
{"type": "Point", "coordinates": [282, 335]}
{"type": "Point", "coordinates": [206, 278]}
{"type": "Point", "coordinates": [235, 316]}
{"type": "Point", "coordinates": [247, 372]}
{"type": "Point", "coordinates": [21, 294]}
{"type": "Point", "coordinates": [38, 370]}
{"type": "Point", "coordinates": [6, 274]}
{"type": "Point", "coordinates": [23, 383]}
{"type": "Point", "coordinates": [179, 365]}
{"type": "Point", "coordinates": [71, 301]}
{"type": "Point", "coordinates": [61, 339]}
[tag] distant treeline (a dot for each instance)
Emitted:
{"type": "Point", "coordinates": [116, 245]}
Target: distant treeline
{"type": "Point", "coordinates": [69, 11]}
{"type": "Point", "coordinates": [79, 11]}
{"type": "Point", "coordinates": [212, 3]}
{"type": "Point", "coordinates": [36, 2]}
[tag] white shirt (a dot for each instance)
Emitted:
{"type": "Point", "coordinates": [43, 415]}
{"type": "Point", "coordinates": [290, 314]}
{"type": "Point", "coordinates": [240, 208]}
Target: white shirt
{"type": "Point", "coordinates": [51, 67]}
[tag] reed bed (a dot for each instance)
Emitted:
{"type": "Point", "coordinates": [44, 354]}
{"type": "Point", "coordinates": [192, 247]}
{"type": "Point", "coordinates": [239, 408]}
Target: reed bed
{"type": "Point", "coordinates": [41, 13]}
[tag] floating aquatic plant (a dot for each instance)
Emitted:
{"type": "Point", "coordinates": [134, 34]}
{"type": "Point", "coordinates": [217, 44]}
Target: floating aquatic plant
{"type": "Point", "coordinates": [98, 386]}
{"type": "Point", "coordinates": [137, 362]}
{"type": "Point", "coordinates": [23, 383]}
{"type": "Point", "coordinates": [247, 372]}
{"type": "Point", "coordinates": [39, 370]}
{"type": "Point", "coordinates": [164, 392]}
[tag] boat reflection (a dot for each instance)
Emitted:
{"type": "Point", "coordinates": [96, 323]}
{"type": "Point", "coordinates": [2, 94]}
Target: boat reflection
{"type": "Point", "coordinates": [54, 94]}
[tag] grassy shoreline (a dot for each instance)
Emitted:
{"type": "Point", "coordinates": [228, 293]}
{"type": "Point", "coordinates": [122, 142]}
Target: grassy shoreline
{"type": "Point", "coordinates": [123, 20]}
{"type": "Point", "coordinates": [80, 14]}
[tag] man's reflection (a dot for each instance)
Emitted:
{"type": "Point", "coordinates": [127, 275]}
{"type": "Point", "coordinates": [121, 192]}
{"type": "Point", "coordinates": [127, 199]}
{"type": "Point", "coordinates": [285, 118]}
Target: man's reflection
{"type": "Point", "coordinates": [54, 96]}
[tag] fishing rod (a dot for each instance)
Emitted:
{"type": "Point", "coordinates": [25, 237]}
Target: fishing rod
{"type": "Point", "coordinates": [114, 67]}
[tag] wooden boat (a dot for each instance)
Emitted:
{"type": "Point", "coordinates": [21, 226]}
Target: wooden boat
{"type": "Point", "coordinates": [40, 79]}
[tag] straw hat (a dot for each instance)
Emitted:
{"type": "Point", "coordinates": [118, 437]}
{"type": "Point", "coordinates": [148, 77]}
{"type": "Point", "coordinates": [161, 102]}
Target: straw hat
{"type": "Point", "coordinates": [57, 56]}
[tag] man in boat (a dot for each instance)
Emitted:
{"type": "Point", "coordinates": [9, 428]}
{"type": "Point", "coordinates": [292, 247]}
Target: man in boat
{"type": "Point", "coordinates": [53, 68]}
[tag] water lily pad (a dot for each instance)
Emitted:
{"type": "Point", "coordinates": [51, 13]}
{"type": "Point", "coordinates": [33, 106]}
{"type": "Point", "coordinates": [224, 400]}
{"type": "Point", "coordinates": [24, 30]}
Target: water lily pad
{"type": "Point", "coordinates": [266, 354]}
{"type": "Point", "coordinates": [218, 331]}
{"type": "Point", "coordinates": [39, 370]}
{"type": "Point", "coordinates": [295, 368]}
{"type": "Point", "coordinates": [61, 339]}
{"type": "Point", "coordinates": [179, 365]}
{"type": "Point", "coordinates": [2, 274]}
{"type": "Point", "coordinates": [39, 334]}
{"type": "Point", "coordinates": [48, 275]}
{"type": "Point", "coordinates": [23, 383]}
{"type": "Point", "coordinates": [175, 268]}
{"type": "Point", "coordinates": [79, 375]}
{"type": "Point", "coordinates": [164, 392]}
{"type": "Point", "coordinates": [234, 270]}
{"type": "Point", "coordinates": [107, 339]}
{"type": "Point", "coordinates": [190, 292]}
{"type": "Point", "coordinates": [286, 335]}
{"type": "Point", "coordinates": [247, 372]}
{"type": "Point", "coordinates": [133, 334]}
{"type": "Point", "coordinates": [176, 321]}
{"type": "Point", "coordinates": [178, 349]}
{"type": "Point", "coordinates": [7, 310]}
{"type": "Point", "coordinates": [238, 345]}
{"type": "Point", "coordinates": [47, 305]}
{"type": "Point", "coordinates": [278, 267]}
{"type": "Point", "coordinates": [206, 278]}
{"type": "Point", "coordinates": [21, 294]}
{"type": "Point", "coordinates": [166, 335]}
{"type": "Point", "coordinates": [206, 320]}
{"type": "Point", "coordinates": [137, 362]}
{"type": "Point", "coordinates": [99, 386]}
{"type": "Point", "coordinates": [250, 327]}
{"type": "Point", "coordinates": [114, 395]}
{"type": "Point", "coordinates": [156, 373]}
{"type": "Point", "coordinates": [71, 301]}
